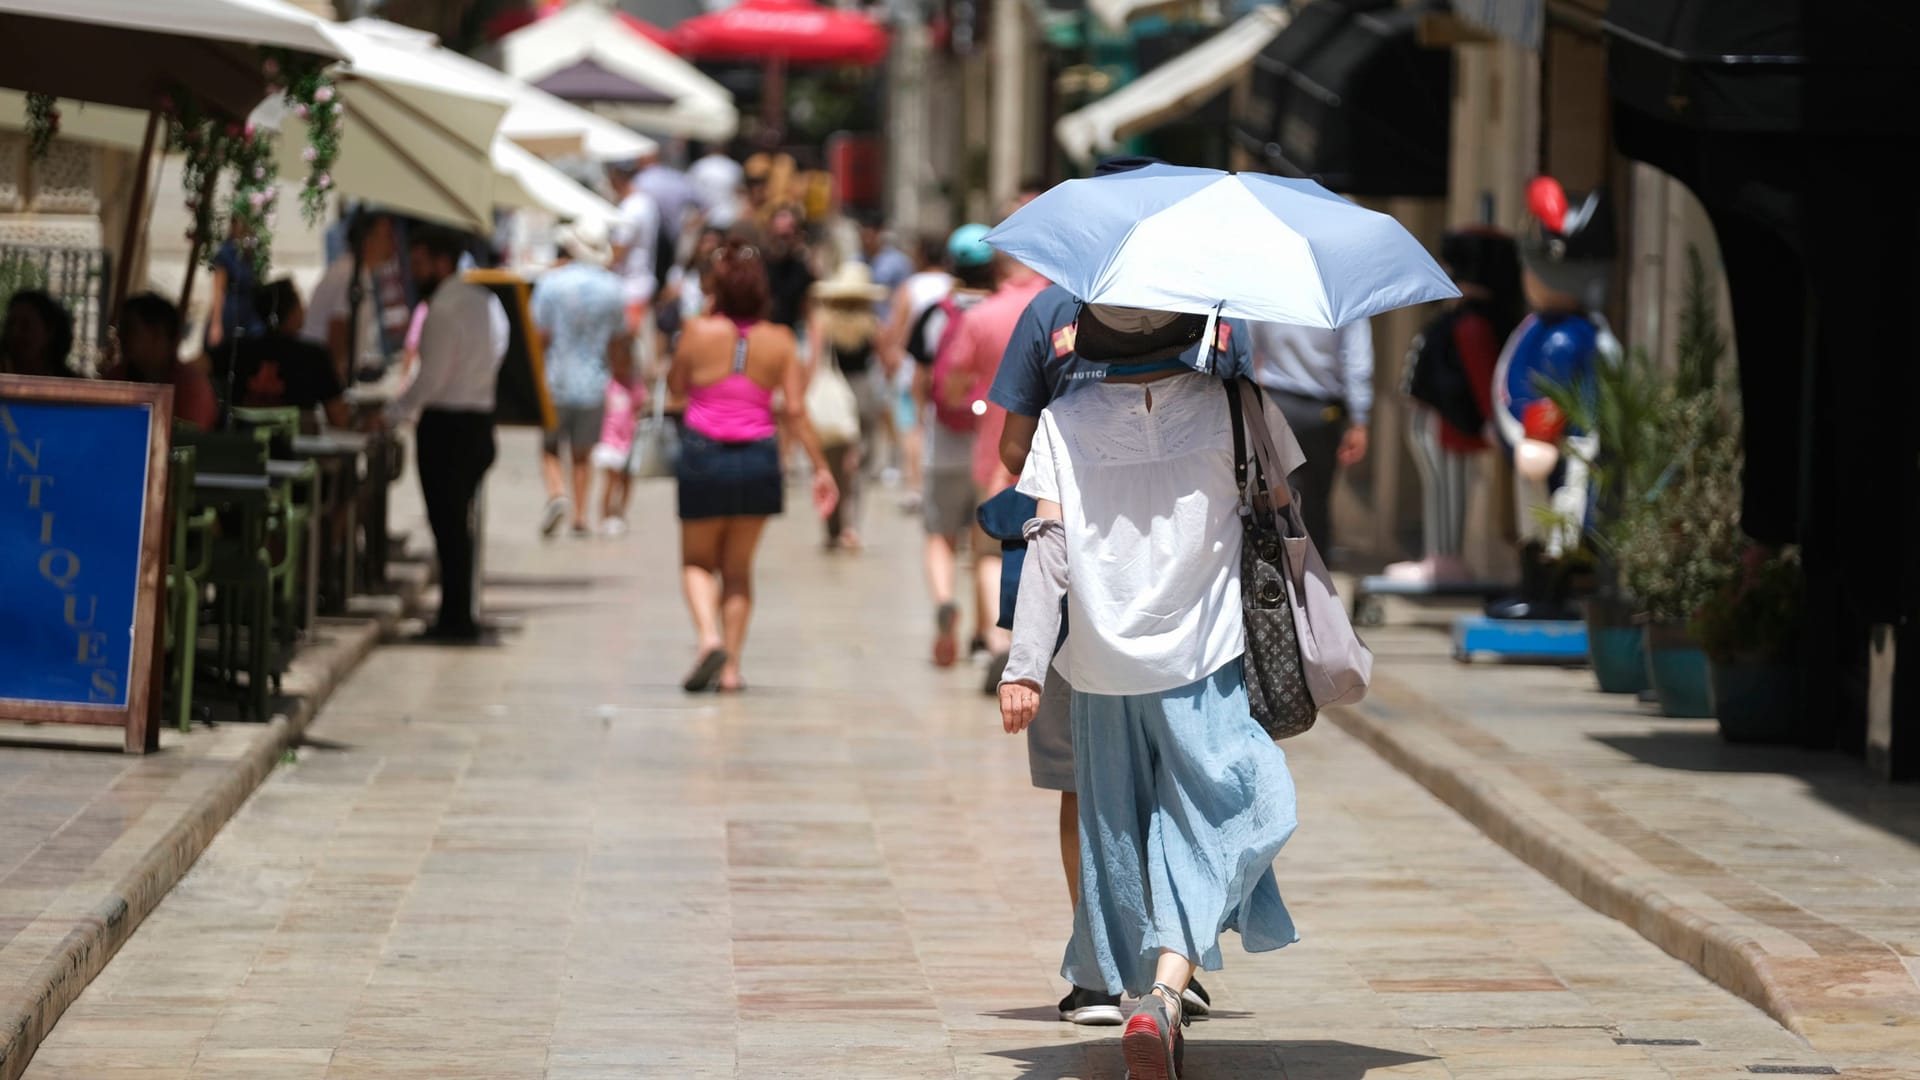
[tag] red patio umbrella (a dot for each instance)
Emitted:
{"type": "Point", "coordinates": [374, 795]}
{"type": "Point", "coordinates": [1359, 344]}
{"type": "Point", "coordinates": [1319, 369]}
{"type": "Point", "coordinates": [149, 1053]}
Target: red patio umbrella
{"type": "Point", "coordinates": [781, 32]}
{"type": "Point", "coordinates": [796, 31]}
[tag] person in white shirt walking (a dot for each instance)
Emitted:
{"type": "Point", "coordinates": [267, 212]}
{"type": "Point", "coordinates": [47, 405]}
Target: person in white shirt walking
{"type": "Point", "coordinates": [1183, 800]}
{"type": "Point", "coordinates": [462, 344]}
{"type": "Point", "coordinates": [1323, 382]}
{"type": "Point", "coordinates": [636, 239]}
{"type": "Point", "coordinates": [330, 307]}
{"type": "Point", "coordinates": [717, 181]}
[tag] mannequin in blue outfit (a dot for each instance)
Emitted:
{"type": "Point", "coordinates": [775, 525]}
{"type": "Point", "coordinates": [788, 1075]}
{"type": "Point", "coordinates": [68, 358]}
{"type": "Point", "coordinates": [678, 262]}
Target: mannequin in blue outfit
{"type": "Point", "coordinates": [1567, 252]}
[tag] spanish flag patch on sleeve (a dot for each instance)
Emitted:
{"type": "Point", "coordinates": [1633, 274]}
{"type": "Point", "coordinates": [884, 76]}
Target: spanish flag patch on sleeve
{"type": "Point", "coordinates": [1223, 335]}
{"type": "Point", "coordinates": [1064, 338]}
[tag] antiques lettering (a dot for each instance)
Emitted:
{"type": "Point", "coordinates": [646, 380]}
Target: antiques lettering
{"type": "Point", "coordinates": [58, 566]}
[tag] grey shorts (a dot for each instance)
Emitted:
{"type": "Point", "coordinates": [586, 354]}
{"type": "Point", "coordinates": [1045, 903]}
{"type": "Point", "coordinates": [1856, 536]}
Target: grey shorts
{"type": "Point", "coordinates": [576, 427]}
{"type": "Point", "coordinates": [947, 509]}
{"type": "Point", "coordinates": [1050, 737]}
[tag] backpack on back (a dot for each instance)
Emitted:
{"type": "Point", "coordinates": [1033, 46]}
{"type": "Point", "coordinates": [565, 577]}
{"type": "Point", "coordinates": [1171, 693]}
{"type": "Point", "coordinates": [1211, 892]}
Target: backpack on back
{"type": "Point", "coordinates": [1437, 376]}
{"type": "Point", "coordinates": [946, 365]}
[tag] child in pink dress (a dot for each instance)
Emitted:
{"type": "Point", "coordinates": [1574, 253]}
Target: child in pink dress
{"type": "Point", "coordinates": [613, 455]}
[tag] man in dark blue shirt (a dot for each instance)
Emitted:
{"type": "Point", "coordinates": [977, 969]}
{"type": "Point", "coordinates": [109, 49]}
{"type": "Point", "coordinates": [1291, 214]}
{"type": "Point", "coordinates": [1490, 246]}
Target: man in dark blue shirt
{"type": "Point", "coordinates": [1040, 366]}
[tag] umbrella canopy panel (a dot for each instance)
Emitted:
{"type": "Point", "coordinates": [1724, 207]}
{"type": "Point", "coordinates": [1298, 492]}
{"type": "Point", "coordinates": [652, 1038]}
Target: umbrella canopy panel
{"type": "Point", "coordinates": [534, 116]}
{"type": "Point", "coordinates": [797, 31]}
{"type": "Point", "coordinates": [589, 80]}
{"type": "Point", "coordinates": [134, 52]}
{"type": "Point", "coordinates": [528, 183]}
{"type": "Point", "coordinates": [700, 108]}
{"type": "Point", "coordinates": [1259, 247]}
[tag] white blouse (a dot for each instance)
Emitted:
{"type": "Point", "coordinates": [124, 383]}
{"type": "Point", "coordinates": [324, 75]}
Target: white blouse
{"type": "Point", "coordinates": [1152, 528]}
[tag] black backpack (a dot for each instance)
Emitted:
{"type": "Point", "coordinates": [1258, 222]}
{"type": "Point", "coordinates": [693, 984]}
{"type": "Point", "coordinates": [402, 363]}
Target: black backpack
{"type": "Point", "coordinates": [1436, 376]}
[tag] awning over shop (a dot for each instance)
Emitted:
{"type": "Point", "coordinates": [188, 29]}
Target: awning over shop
{"type": "Point", "coordinates": [1171, 90]}
{"type": "Point", "coordinates": [1746, 65]}
{"type": "Point", "coordinates": [1346, 95]}
{"type": "Point", "coordinates": [1117, 13]}
{"type": "Point", "coordinates": [1778, 120]}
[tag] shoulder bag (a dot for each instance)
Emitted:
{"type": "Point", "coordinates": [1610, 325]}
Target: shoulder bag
{"type": "Point", "coordinates": [831, 405]}
{"type": "Point", "coordinates": [656, 446]}
{"type": "Point", "coordinates": [1302, 653]}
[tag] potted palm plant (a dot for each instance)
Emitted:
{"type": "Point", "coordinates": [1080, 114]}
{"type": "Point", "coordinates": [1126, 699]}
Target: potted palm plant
{"type": "Point", "coordinates": [1630, 407]}
{"type": "Point", "coordinates": [1681, 548]}
{"type": "Point", "coordinates": [1622, 407]}
{"type": "Point", "coordinates": [1750, 628]}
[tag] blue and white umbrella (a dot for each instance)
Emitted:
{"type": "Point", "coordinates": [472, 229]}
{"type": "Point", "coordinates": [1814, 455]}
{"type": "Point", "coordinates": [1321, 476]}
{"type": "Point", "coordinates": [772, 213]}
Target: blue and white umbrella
{"type": "Point", "coordinates": [1246, 245]}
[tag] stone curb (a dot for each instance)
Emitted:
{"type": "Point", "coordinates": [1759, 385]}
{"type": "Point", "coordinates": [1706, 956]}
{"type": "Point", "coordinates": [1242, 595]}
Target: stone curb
{"type": "Point", "coordinates": [87, 949]}
{"type": "Point", "coordinates": [1731, 959]}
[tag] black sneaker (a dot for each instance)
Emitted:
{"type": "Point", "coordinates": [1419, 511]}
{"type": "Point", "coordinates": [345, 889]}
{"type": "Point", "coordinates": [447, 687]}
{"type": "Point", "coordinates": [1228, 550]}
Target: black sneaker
{"type": "Point", "coordinates": [1194, 1002]}
{"type": "Point", "coordinates": [1091, 1008]}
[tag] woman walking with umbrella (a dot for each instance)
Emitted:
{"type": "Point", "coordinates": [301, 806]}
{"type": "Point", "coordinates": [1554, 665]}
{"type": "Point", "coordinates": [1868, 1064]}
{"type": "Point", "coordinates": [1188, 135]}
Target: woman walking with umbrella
{"type": "Point", "coordinates": [1184, 799]}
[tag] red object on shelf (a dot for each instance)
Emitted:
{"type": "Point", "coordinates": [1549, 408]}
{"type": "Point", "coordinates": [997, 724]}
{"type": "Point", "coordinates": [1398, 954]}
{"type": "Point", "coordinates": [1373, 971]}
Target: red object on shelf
{"type": "Point", "coordinates": [858, 168]}
{"type": "Point", "coordinates": [796, 31]}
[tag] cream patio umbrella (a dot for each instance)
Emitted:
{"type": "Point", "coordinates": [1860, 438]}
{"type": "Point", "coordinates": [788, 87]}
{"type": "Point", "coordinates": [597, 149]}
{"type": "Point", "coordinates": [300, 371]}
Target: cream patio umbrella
{"type": "Point", "coordinates": [132, 52]}
{"type": "Point", "coordinates": [135, 54]}
{"type": "Point", "coordinates": [418, 138]}
{"type": "Point", "coordinates": [535, 119]}
{"type": "Point", "coordinates": [524, 182]}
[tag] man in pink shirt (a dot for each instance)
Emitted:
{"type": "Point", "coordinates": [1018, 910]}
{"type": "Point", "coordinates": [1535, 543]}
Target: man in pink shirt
{"type": "Point", "coordinates": [968, 360]}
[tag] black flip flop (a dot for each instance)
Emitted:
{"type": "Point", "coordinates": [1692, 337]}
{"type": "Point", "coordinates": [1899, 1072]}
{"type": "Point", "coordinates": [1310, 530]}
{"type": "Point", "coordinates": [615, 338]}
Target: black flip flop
{"type": "Point", "coordinates": [705, 672]}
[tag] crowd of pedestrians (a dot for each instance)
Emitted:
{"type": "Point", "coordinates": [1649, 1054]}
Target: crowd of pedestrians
{"type": "Point", "coordinates": [1078, 461]}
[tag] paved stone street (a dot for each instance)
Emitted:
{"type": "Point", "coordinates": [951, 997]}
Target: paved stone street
{"type": "Point", "coordinates": [544, 861]}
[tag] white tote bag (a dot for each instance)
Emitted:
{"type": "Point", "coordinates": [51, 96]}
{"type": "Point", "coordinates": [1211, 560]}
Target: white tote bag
{"type": "Point", "coordinates": [831, 405]}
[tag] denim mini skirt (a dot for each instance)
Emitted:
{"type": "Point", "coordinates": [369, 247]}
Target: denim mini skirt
{"type": "Point", "coordinates": [728, 479]}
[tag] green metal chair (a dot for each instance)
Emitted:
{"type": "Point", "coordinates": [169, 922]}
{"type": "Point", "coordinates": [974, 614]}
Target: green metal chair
{"type": "Point", "coordinates": [187, 567]}
{"type": "Point", "coordinates": [276, 428]}
{"type": "Point", "coordinates": [242, 567]}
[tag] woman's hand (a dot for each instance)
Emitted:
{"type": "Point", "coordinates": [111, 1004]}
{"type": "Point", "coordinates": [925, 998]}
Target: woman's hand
{"type": "Point", "coordinates": [826, 494]}
{"type": "Point", "coordinates": [1019, 701]}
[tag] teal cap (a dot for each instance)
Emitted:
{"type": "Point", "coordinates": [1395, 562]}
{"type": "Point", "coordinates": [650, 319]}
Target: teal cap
{"type": "Point", "coordinates": [968, 245]}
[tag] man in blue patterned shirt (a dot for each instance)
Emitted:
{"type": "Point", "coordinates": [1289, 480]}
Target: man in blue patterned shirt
{"type": "Point", "coordinates": [580, 309]}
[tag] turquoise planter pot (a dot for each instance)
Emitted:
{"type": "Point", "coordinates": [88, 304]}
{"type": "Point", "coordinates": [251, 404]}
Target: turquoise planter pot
{"type": "Point", "coordinates": [1679, 672]}
{"type": "Point", "coordinates": [1619, 658]}
{"type": "Point", "coordinates": [1756, 703]}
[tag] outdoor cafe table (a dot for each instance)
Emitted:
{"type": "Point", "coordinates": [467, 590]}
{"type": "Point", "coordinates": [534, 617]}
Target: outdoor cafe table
{"type": "Point", "coordinates": [340, 453]}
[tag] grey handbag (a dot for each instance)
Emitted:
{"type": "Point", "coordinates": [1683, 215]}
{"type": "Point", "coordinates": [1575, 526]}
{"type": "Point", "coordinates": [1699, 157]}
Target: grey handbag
{"type": "Point", "coordinates": [656, 444]}
{"type": "Point", "coordinates": [1302, 653]}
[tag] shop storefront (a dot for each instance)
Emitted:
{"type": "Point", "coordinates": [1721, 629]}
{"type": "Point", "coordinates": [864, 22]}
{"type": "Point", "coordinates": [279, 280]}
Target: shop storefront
{"type": "Point", "coordinates": [1781, 117]}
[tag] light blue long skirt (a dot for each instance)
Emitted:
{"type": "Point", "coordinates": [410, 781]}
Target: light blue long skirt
{"type": "Point", "coordinates": [1184, 803]}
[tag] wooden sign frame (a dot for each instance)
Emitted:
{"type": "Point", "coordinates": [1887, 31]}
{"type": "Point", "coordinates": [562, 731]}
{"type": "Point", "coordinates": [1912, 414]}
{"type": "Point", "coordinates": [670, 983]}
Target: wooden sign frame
{"type": "Point", "coordinates": [536, 352]}
{"type": "Point", "coordinates": [139, 715]}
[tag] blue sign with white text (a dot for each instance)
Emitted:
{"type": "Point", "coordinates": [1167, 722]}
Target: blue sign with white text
{"type": "Point", "coordinates": [72, 498]}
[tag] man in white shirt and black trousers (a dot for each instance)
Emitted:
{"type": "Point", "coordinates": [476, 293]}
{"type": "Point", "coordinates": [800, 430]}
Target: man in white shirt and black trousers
{"type": "Point", "coordinates": [462, 343]}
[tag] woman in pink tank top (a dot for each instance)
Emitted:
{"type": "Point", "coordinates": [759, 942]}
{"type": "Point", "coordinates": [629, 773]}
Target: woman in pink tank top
{"type": "Point", "coordinates": [727, 367]}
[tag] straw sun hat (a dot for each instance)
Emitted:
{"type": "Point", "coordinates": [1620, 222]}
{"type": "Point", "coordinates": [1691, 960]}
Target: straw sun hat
{"type": "Point", "coordinates": [851, 283]}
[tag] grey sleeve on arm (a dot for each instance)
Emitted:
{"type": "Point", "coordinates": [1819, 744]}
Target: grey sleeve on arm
{"type": "Point", "coordinates": [1036, 614]}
